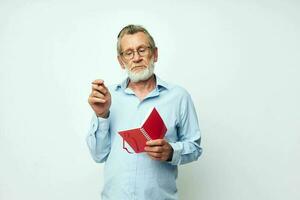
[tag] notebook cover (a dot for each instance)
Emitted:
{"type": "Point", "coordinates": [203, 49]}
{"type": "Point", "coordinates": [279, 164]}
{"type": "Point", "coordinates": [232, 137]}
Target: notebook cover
{"type": "Point", "coordinates": [153, 125]}
{"type": "Point", "coordinates": [135, 139]}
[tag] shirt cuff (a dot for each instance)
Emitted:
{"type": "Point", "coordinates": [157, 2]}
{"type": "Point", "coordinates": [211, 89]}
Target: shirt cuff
{"type": "Point", "coordinates": [177, 149]}
{"type": "Point", "coordinates": [100, 125]}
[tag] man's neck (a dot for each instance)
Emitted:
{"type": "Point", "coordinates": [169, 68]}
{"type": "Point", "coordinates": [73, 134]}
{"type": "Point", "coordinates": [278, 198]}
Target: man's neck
{"type": "Point", "coordinates": [143, 88]}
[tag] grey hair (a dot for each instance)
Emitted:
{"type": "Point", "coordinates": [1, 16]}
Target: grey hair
{"type": "Point", "coordinates": [130, 30]}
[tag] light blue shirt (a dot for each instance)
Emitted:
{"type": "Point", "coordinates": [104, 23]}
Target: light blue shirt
{"type": "Point", "coordinates": [137, 176]}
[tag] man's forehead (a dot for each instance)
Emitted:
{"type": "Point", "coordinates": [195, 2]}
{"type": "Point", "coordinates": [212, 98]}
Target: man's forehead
{"type": "Point", "coordinates": [134, 40]}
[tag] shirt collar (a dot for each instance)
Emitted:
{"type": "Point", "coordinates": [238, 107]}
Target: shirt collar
{"type": "Point", "coordinates": [160, 84]}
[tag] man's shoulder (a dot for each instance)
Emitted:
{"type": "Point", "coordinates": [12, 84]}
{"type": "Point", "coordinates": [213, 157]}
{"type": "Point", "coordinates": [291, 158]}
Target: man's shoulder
{"type": "Point", "coordinates": [171, 86]}
{"type": "Point", "coordinates": [178, 90]}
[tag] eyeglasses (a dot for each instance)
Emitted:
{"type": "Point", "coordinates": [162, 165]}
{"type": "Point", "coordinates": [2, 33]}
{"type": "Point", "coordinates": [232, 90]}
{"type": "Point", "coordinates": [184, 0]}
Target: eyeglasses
{"type": "Point", "coordinates": [142, 51]}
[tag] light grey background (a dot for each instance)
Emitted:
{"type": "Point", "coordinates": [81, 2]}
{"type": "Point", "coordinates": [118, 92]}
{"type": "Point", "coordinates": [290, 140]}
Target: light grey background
{"type": "Point", "coordinates": [238, 59]}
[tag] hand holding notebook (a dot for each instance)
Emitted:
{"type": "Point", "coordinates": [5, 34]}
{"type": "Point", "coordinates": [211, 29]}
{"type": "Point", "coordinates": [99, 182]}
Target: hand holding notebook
{"type": "Point", "coordinates": [152, 129]}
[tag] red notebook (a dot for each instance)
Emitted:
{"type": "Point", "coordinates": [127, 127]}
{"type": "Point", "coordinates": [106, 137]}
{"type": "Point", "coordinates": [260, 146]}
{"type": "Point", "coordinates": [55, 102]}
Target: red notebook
{"type": "Point", "coordinates": [152, 129]}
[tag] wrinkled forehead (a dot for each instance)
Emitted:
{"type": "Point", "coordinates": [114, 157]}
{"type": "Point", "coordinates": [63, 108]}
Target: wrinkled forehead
{"type": "Point", "coordinates": [133, 41]}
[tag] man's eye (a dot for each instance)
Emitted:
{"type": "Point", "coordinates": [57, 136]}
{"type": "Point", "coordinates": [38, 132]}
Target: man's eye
{"type": "Point", "coordinates": [142, 50]}
{"type": "Point", "coordinates": [128, 53]}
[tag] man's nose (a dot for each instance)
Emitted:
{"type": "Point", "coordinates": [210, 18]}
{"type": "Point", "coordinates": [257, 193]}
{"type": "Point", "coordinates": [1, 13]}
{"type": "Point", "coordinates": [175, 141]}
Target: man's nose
{"type": "Point", "coordinates": [136, 57]}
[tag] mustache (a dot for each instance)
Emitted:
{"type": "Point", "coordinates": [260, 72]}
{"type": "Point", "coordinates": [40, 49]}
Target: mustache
{"type": "Point", "coordinates": [141, 64]}
{"type": "Point", "coordinates": [137, 66]}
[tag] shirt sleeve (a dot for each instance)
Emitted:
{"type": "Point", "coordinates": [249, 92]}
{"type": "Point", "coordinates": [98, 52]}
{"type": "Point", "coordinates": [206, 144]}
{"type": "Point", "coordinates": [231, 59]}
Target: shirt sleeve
{"type": "Point", "coordinates": [187, 148]}
{"type": "Point", "coordinates": [98, 138]}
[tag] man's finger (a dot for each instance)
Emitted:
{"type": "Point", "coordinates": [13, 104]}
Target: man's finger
{"type": "Point", "coordinates": [154, 158]}
{"type": "Point", "coordinates": [95, 93]}
{"type": "Point", "coordinates": [156, 149]}
{"type": "Point", "coordinates": [103, 85]}
{"type": "Point", "coordinates": [98, 81]}
{"type": "Point", "coordinates": [99, 88]}
{"type": "Point", "coordinates": [158, 142]}
{"type": "Point", "coordinates": [154, 155]}
{"type": "Point", "coordinates": [96, 100]}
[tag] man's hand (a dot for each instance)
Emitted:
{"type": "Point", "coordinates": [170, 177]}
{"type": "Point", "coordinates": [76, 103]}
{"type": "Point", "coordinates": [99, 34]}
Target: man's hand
{"type": "Point", "coordinates": [100, 98]}
{"type": "Point", "coordinates": [159, 149]}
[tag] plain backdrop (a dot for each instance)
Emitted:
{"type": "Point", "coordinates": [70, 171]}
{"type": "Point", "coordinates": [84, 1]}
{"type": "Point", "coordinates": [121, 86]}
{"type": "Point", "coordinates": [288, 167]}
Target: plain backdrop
{"type": "Point", "coordinates": [238, 59]}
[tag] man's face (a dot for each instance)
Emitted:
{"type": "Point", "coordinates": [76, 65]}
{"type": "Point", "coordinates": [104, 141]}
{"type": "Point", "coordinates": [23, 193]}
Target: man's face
{"type": "Point", "coordinates": [139, 67]}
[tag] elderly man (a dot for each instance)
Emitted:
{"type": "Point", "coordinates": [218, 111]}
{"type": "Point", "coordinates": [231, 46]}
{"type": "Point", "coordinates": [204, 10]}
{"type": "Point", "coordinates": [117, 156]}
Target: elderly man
{"type": "Point", "coordinates": [151, 174]}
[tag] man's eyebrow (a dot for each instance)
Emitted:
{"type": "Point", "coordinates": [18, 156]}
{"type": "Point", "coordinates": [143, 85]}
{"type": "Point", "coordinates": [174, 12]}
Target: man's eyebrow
{"type": "Point", "coordinates": [131, 49]}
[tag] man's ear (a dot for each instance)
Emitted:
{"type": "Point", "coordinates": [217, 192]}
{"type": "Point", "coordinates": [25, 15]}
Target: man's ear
{"type": "Point", "coordinates": [121, 62]}
{"type": "Point", "coordinates": [155, 54]}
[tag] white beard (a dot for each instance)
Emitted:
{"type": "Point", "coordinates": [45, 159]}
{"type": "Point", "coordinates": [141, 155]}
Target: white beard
{"type": "Point", "coordinates": [142, 75]}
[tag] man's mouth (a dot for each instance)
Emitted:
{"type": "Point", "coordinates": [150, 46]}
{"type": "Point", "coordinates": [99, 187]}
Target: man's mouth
{"type": "Point", "coordinates": [137, 67]}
